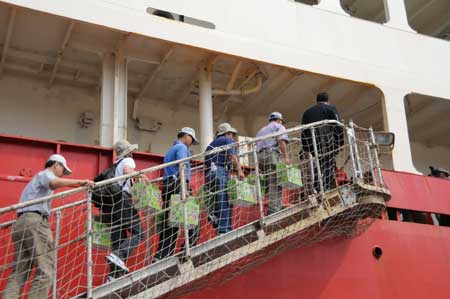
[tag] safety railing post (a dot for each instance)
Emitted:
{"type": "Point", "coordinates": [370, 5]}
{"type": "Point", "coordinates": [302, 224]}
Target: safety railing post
{"type": "Point", "coordinates": [369, 154]}
{"type": "Point", "coordinates": [55, 254]}
{"type": "Point", "coordinates": [89, 243]}
{"type": "Point", "coordinates": [377, 161]}
{"type": "Point", "coordinates": [259, 196]}
{"type": "Point", "coordinates": [354, 144]}
{"type": "Point", "coordinates": [184, 198]}
{"type": "Point", "coordinates": [316, 158]}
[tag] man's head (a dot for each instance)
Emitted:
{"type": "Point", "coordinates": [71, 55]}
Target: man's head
{"type": "Point", "coordinates": [123, 149]}
{"type": "Point", "coordinates": [58, 165]}
{"type": "Point", "coordinates": [322, 97]}
{"type": "Point", "coordinates": [187, 136]}
{"type": "Point", "coordinates": [276, 117]}
{"type": "Point", "coordinates": [225, 129]}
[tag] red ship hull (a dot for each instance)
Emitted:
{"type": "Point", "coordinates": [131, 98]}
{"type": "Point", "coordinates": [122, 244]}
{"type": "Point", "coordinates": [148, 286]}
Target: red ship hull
{"type": "Point", "coordinates": [415, 262]}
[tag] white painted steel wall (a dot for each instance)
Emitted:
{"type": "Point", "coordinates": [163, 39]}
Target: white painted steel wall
{"type": "Point", "coordinates": [319, 39]}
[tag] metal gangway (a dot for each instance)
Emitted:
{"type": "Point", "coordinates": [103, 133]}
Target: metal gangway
{"type": "Point", "coordinates": [332, 188]}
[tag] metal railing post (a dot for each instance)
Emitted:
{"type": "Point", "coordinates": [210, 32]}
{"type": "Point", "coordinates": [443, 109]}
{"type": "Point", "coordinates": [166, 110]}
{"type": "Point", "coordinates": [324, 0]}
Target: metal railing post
{"type": "Point", "coordinates": [354, 144]}
{"type": "Point", "coordinates": [372, 172]}
{"type": "Point", "coordinates": [316, 154]}
{"type": "Point", "coordinates": [259, 196]}
{"type": "Point", "coordinates": [377, 161]}
{"type": "Point", "coordinates": [55, 254]}
{"type": "Point", "coordinates": [89, 243]}
{"type": "Point", "coordinates": [184, 198]}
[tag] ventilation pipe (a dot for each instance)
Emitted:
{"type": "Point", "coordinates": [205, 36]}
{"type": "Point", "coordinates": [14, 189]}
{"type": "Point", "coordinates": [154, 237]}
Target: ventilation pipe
{"type": "Point", "coordinates": [244, 91]}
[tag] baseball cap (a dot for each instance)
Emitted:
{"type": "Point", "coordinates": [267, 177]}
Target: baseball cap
{"type": "Point", "coordinates": [191, 132]}
{"type": "Point", "coordinates": [276, 115]}
{"type": "Point", "coordinates": [225, 128]}
{"type": "Point", "coordinates": [62, 160]}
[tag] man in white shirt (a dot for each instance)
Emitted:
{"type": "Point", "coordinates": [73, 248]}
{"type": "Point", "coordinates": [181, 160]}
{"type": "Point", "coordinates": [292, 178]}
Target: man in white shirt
{"type": "Point", "coordinates": [127, 231]}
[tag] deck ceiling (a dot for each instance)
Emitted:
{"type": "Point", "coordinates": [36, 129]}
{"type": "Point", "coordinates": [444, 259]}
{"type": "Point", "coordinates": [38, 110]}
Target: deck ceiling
{"type": "Point", "coordinates": [61, 51]}
{"type": "Point", "coordinates": [430, 17]}
{"type": "Point", "coordinates": [428, 119]}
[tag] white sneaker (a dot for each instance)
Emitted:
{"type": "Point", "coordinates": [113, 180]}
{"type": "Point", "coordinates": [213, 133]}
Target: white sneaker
{"type": "Point", "coordinates": [117, 261]}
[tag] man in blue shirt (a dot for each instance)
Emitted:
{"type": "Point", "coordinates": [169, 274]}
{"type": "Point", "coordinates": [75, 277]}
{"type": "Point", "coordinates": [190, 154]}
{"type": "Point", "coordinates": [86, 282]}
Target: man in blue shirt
{"type": "Point", "coordinates": [217, 169]}
{"type": "Point", "coordinates": [171, 185]}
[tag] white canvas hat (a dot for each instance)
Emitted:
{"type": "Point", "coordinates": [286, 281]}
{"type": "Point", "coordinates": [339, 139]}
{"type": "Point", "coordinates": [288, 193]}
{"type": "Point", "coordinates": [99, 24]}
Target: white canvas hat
{"type": "Point", "coordinates": [191, 132]}
{"type": "Point", "coordinates": [123, 148]}
{"type": "Point", "coordinates": [62, 160]}
{"type": "Point", "coordinates": [225, 128]}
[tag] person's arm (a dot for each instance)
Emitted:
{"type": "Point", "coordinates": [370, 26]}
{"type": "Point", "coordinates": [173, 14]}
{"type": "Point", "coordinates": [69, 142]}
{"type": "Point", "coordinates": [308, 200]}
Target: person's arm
{"type": "Point", "coordinates": [237, 165]}
{"type": "Point", "coordinates": [60, 182]}
{"type": "Point", "coordinates": [282, 145]}
{"type": "Point", "coordinates": [282, 141]}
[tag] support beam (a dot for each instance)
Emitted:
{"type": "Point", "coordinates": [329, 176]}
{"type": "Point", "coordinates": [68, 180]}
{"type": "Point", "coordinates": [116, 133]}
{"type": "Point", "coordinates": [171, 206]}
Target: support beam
{"type": "Point", "coordinates": [395, 121]}
{"type": "Point", "coordinates": [9, 30]}
{"type": "Point", "coordinates": [274, 100]}
{"type": "Point", "coordinates": [206, 107]}
{"type": "Point", "coordinates": [396, 15]}
{"type": "Point", "coordinates": [153, 75]}
{"type": "Point", "coordinates": [233, 76]}
{"type": "Point", "coordinates": [441, 27]}
{"type": "Point", "coordinates": [61, 52]}
{"type": "Point", "coordinates": [189, 86]}
{"type": "Point", "coordinates": [421, 9]}
{"type": "Point", "coordinates": [273, 81]}
{"type": "Point", "coordinates": [107, 101]}
{"type": "Point", "coordinates": [331, 5]}
{"type": "Point", "coordinates": [114, 97]}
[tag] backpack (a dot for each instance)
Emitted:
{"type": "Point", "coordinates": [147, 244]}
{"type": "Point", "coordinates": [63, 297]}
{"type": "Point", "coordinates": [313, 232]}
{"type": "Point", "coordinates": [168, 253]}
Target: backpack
{"type": "Point", "coordinates": [107, 195]}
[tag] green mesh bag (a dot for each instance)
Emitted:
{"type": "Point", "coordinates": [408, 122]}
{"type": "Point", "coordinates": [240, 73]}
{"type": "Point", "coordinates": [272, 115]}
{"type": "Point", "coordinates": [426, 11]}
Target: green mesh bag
{"type": "Point", "coordinates": [241, 193]}
{"type": "Point", "coordinates": [290, 176]}
{"type": "Point", "coordinates": [176, 214]}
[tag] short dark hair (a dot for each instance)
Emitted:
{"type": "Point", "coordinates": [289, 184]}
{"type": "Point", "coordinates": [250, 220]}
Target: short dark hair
{"type": "Point", "coordinates": [49, 163]}
{"type": "Point", "coordinates": [322, 97]}
{"type": "Point", "coordinates": [180, 135]}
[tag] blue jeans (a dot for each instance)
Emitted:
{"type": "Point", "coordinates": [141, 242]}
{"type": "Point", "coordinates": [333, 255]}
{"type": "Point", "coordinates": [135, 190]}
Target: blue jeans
{"type": "Point", "coordinates": [217, 182]}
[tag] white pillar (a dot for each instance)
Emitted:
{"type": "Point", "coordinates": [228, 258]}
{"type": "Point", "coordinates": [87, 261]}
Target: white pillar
{"type": "Point", "coordinates": [396, 15]}
{"type": "Point", "coordinates": [120, 97]}
{"type": "Point", "coordinates": [113, 107]}
{"type": "Point", "coordinates": [331, 5]}
{"type": "Point", "coordinates": [395, 121]}
{"type": "Point", "coordinates": [107, 101]}
{"type": "Point", "coordinates": [206, 107]}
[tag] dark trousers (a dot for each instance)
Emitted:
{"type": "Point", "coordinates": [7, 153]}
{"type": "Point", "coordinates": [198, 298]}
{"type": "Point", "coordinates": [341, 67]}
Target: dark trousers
{"type": "Point", "coordinates": [168, 234]}
{"type": "Point", "coordinates": [217, 182]}
{"type": "Point", "coordinates": [126, 232]}
{"type": "Point", "coordinates": [328, 169]}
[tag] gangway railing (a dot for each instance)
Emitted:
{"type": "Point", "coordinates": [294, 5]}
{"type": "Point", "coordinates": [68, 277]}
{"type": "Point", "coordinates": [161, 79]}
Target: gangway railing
{"type": "Point", "coordinates": [200, 229]}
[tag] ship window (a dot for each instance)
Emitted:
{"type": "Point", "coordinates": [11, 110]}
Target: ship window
{"type": "Point", "coordinates": [371, 10]}
{"type": "Point", "coordinates": [309, 2]}
{"type": "Point", "coordinates": [428, 128]}
{"type": "Point", "coordinates": [180, 18]}
{"type": "Point", "coordinates": [405, 215]}
{"type": "Point", "coordinates": [429, 17]}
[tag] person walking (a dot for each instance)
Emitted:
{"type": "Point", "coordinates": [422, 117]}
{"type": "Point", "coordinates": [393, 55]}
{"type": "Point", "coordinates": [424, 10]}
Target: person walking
{"type": "Point", "coordinates": [171, 185]}
{"type": "Point", "coordinates": [126, 228]}
{"type": "Point", "coordinates": [218, 167]}
{"type": "Point", "coordinates": [31, 234]}
{"type": "Point", "coordinates": [329, 139]}
{"type": "Point", "coordinates": [270, 152]}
